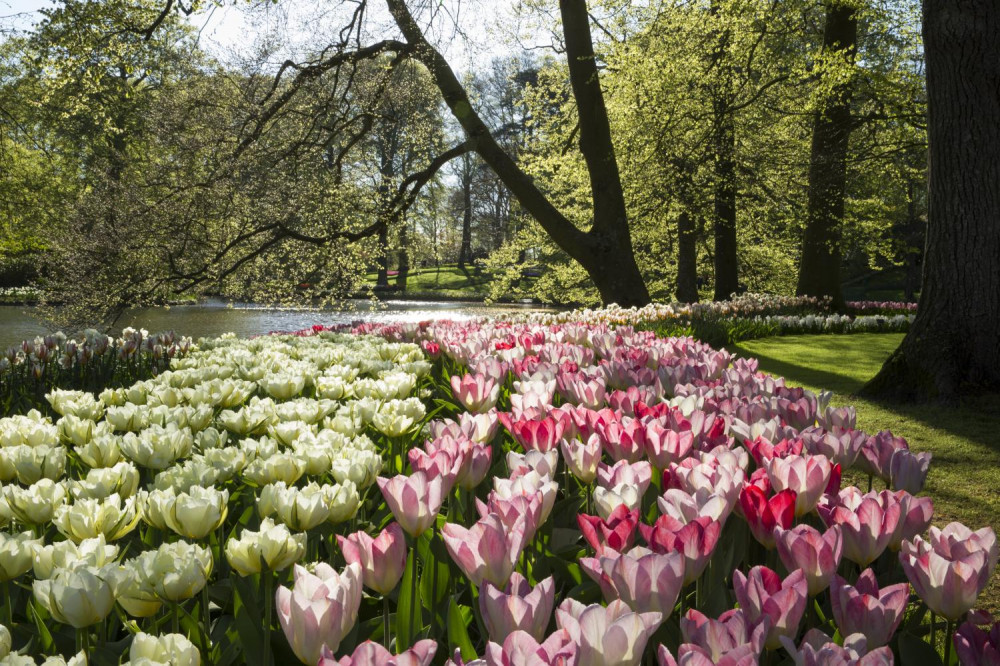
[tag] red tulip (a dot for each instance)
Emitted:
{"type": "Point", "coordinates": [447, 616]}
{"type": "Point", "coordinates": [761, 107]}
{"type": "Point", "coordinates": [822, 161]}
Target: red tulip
{"type": "Point", "coordinates": [763, 514]}
{"type": "Point", "coordinates": [616, 533]}
{"type": "Point", "coordinates": [696, 541]}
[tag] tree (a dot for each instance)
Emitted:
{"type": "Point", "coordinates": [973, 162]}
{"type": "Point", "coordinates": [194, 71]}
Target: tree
{"type": "Point", "coordinates": [953, 346]}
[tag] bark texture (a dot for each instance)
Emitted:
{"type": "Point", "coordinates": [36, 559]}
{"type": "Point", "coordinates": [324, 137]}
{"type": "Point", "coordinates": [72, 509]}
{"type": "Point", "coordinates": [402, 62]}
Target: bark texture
{"type": "Point", "coordinates": [687, 259]}
{"type": "Point", "coordinates": [954, 344]}
{"type": "Point", "coordinates": [819, 265]}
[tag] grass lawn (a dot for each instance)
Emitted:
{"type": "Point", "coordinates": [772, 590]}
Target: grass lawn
{"type": "Point", "coordinates": [964, 478]}
{"type": "Point", "coordinates": [447, 281]}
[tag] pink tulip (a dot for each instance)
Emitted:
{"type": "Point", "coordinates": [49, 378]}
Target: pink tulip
{"type": "Point", "coordinates": [414, 500]}
{"type": "Point", "coordinates": [977, 641]}
{"type": "Point", "coordinates": [477, 393]}
{"type": "Point", "coordinates": [443, 464]}
{"type": "Point", "coordinates": [607, 636]}
{"type": "Point", "coordinates": [839, 417]}
{"type": "Point", "coordinates": [693, 476]}
{"type": "Point", "coordinates": [521, 511]}
{"type": "Point", "coordinates": [915, 515]}
{"type": "Point", "coordinates": [521, 649]}
{"type": "Point", "coordinates": [818, 649]}
{"type": "Point", "coordinates": [957, 541]}
{"type": "Point", "coordinates": [647, 581]}
{"type": "Point", "coordinates": [696, 541]}
{"type": "Point", "coordinates": [370, 653]}
{"type": "Point", "coordinates": [840, 446]}
{"type": "Point", "coordinates": [868, 522]}
{"type": "Point", "coordinates": [546, 464]}
{"type": "Point", "coordinates": [949, 581]}
{"type": "Point", "coordinates": [763, 594]}
{"type": "Point", "coordinates": [729, 634]}
{"type": "Point", "coordinates": [517, 607]}
{"type": "Point", "coordinates": [664, 446]}
{"type": "Point", "coordinates": [479, 428]}
{"type": "Point", "coordinates": [908, 470]}
{"type": "Point", "coordinates": [816, 555]}
{"type": "Point", "coordinates": [382, 559]}
{"type": "Point", "coordinates": [540, 435]}
{"type": "Point", "coordinates": [488, 551]}
{"type": "Point", "coordinates": [763, 515]}
{"type": "Point", "coordinates": [589, 393]}
{"type": "Point", "coordinates": [806, 475]}
{"type": "Point", "coordinates": [623, 440]}
{"type": "Point", "coordinates": [320, 609]}
{"type": "Point", "coordinates": [763, 451]}
{"type": "Point", "coordinates": [876, 454]}
{"type": "Point", "coordinates": [616, 533]}
{"type": "Point", "coordinates": [637, 474]}
{"type": "Point", "coordinates": [864, 609]}
{"type": "Point", "coordinates": [689, 654]}
{"type": "Point", "coordinates": [684, 507]}
{"type": "Point", "coordinates": [528, 484]}
{"type": "Point", "coordinates": [582, 458]}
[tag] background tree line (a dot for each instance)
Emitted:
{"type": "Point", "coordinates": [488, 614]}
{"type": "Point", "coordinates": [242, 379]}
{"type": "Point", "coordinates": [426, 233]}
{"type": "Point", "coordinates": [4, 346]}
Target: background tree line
{"type": "Point", "coordinates": [714, 145]}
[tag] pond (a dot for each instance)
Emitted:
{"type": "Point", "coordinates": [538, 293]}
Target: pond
{"type": "Point", "coordinates": [215, 317]}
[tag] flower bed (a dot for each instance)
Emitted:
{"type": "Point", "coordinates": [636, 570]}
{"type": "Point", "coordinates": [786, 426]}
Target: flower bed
{"type": "Point", "coordinates": [532, 494]}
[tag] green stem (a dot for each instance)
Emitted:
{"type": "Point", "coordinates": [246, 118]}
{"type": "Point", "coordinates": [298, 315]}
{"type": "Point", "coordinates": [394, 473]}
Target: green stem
{"type": "Point", "coordinates": [175, 620]}
{"type": "Point", "coordinates": [934, 630]}
{"type": "Point", "coordinates": [414, 600]}
{"type": "Point", "coordinates": [947, 643]}
{"type": "Point", "coordinates": [386, 636]}
{"type": "Point", "coordinates": [83, 642]}
{"type": "Point", "coordinates": [8, 609]}
{"type": "Point", "coordinates": [206, 618]}
{"type": "Point", "coordinates": [268, 601]}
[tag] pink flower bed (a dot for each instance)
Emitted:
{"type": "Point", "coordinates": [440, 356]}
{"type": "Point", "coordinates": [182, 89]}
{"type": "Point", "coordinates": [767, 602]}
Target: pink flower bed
{"type": "Point", "coordinates": [606, 496]}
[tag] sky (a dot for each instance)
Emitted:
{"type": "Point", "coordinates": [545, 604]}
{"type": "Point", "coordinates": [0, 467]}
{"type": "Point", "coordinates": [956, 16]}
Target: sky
{"type": "Point", "coordinates": [492, 28]}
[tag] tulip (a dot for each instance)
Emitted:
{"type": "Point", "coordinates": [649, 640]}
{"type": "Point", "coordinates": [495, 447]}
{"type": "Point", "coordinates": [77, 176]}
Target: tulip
{"type": "Point", "coordinates": [817, 555]}
{"type": "Point", "coordinates": [540, 435]}
{"type": "Point", "coordinates": [488, 551]}
{"type": "Point", "coordinates": [947, 582]}
{"type": "Point", "coordinates": [908, 471]}
{"type": "Point", "coordinates": [157, 447]}
{"type": "Point", "coordinates": [582, 457]}
{"type": "Point", "coordinates": [414, 500]}
{"type": "Point", "coordinates": [915, 514]}
{"type": "Point", "coordinates": [15, 554]}
{"type": "Point", "coordinates": [101, 451]}
{"type": "Point", "coordinates": [545, 464]}
{"type": "Point", "coordinates": [176, 571]}
{"type": "Point", "coordinates": [637, 474]}
{"type": "Point", "coordinates": [320, 609]}
{"type": "Point", "coordinates": [623, 440]}
{"type": "Point", "coordinates": [517, 512]}
{"type": "Point", "coordinates": [864, 609]}
{"type": "Point", "coordinates": [976, 644]}
{"type": "Point", "coordinates": [818, 649]}
{"type": "Point", "coordinates": [528, 484]}
{"type": "Point", "coordinates": [94, 552]}
{"type": "Point", "coordinates": [372, 654]}
{"type": "Point", "coordinates": [695, 540]}
{"type": "Point", "coordinates": [382, 559]}
{"type": "Point", "coordinates": [87, 518]}
{"type": "Point", "coordinates": [133, 590]}
{"type": "Point", "coordinates": [806, 475]}
{"type": "Point", "coordinates": [665, 446]}
{"type": "Point", "coordinates": [272, 548]}
{"type": "Point", "coordinates": [607, 500]}
{"type": "Point", "coordinates": [876, 454]}
{"type": "Point", "coordinates": [684, 507]}
{"type": "Point", "coordinates": [198, 512]}
{"type": "Point", "coordinates": [173, 649]}
{"type": "Point", "coordinates": [616, 533]}
{"type": "Point", "coordinates": [37, 504]}
{"type": "Point", "coordinates": [645, 580]}
{"type": "Point", "coordinates": [441, 464]}
{"type": "Point", "coordinates": [477, 393]}
{"type": "Point", "coordinates": [522, 649]}
{"type": "Point", "coordinates": [689, 654]}
{"type": "Point", "coordinates": [763, 451]}
{"type": "Point", "coordinates": [763, 515]}
{"type": "Point", "coordinates": [728, 634]}
{"type": "Point", "coordinates": [517, 607]}
{"type": "Point", "coordinates": [5, 642]}
{"type": "Point", "coordinates": [763, 594]}
{"type": "Point", "coordinates": [121, 478]}
{"type": "Point", "coordinates": [957, 540]}
{"type": "Point", "coordinates": [79, 597]}
{"type": "Point", "coordinates": [29, 464]}
{"type": "Point", "coordinates": [868, 523]}
{"type": "Point", "coordinates": [607, 636]}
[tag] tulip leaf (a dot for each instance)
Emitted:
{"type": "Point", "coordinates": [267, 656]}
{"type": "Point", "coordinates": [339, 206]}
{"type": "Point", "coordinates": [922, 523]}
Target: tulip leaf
{"type": "Point", "coordinates": [459, 619]}
{"type": "Point", "coordinates": [914, 650]}
{"type": "Point", "coordinates": [248, 620]}
{"type": "Point", "coordinates": [406, 605]}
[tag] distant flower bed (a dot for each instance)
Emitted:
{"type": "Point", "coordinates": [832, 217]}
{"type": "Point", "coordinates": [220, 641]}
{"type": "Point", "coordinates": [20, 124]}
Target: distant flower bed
{"type": "Point", "coordinates": [880, 307]}
{"type": "Point", "coordinates": [91, 362]}
{"type": "Point", "coordinates": [19, 295]}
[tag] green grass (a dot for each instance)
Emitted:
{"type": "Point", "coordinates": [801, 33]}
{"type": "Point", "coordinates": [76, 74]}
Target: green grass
{"type": "Point", "coordinates": [447, 281]}
{"type": "Point", "coordinates": [964, 478]}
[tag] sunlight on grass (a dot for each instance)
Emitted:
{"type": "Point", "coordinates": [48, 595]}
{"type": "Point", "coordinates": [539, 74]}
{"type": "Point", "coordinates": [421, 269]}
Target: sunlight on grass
{"type": "Point", "coordinates": [965, 472]}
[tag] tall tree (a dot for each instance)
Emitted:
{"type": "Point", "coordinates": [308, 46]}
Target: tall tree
{"type": "Point", "coordinates": [819, 266]}
{"type": "Point", "coordinates": [954, 343]}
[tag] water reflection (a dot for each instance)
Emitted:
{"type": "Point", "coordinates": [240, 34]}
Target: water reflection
{"type": "Point", "coordinates": [215, 317]}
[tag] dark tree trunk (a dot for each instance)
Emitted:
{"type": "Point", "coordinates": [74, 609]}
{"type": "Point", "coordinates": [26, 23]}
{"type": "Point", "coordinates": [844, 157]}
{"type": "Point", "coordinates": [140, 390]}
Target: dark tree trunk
{"type": "Point", "coordinates": [819, 265]}
{"type": "Point", "coordinates": [605, 251]}
{"type": "Point", "coordinates": [382, 279]}
{"type": "Point", "coordinates": [954, 344]}
{"type": "Point", "coordinates": [727, 277]}
{"type": "Point", "coordinates": [404, 258]}
{"type": "Point", "coordinates": [465, 250]}
{"type": "Point", "coordinates": [687, 259]}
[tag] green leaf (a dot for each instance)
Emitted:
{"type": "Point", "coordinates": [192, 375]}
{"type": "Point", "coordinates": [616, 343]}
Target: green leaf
{"type": "Point", "coordinates": [406, 605]}
{"type": "Point", "coordinates": [914, 650]}
{"type": "Point", "coordinates": [459, 619]}
{"type": "Point", "coordinates": [248, 620]}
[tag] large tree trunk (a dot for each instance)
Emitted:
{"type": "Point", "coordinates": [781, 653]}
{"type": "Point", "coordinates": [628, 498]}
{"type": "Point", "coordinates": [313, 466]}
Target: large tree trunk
{"type": "Point", "coordinates": [727, 277]}
{"type": "Point", "coordinates": [465, 249]}
{"type": "Point", "coordinates": [687, 259]}
{"type": "Point", "coordinates": [954, 344]}
{"type": "Point", "coordinates": [605, 251]}
{"type": "Point", "coordinates": [404, 258]}
{"type": "Point", "coordinates": [819, 265]}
